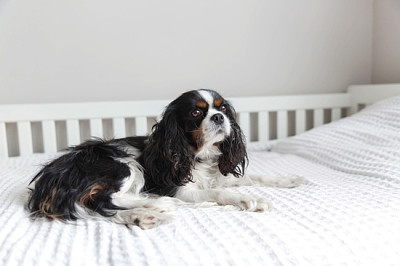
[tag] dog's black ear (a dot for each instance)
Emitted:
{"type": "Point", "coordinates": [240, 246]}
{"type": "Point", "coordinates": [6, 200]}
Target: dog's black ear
{"type": "Point", "coordinates": [168, 159]}
{"type": "Point", "coordinates": [234, 156]}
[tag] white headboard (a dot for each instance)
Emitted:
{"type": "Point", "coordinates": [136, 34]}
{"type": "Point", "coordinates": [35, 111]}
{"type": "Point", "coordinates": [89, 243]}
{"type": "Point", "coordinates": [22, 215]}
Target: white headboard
{"type": "Point", "coordinates": [31, 128]}
{"type": "Point", "coordinates": [364, 95]}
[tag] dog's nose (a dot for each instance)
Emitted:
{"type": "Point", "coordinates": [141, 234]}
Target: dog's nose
{"type": "Point", "coordinates": [218, 119]}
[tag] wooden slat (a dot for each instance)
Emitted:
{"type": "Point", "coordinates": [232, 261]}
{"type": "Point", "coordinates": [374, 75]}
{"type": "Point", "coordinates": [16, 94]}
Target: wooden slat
{"type": "Point", "coordinates": [3, 141]}
{"type": "Point", "coordinates": [141, 126]}
{"type": "Point", "coordinates": [25, 137]}
{"type": "Point", "coordinates": [282, 126]}
{"type": "Point", "coordinates": [73, 135]}
{"type": "Point", "coordinates": [300, 121]}
{"type": "Point", "coordinates": [263, 126]}
{"type": "Point", "coordinates": [335, 114]}
{"type": "Point", "coordinates": [119, 127]}
{"type": "Point", "coordinates": [318, 117]}
{"type": "Point", "coordinates": [244, 123]}
{"type": "Point", "coordinates": [96, 127]}
{"type": "Point", "coordinates": [49, 136]}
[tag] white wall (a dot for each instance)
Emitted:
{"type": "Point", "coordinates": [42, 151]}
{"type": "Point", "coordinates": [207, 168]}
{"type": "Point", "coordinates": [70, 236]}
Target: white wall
{"type": "Point", "coordinates": [386, 36]}
{"type": "Point", "coordinates": [89, 50]}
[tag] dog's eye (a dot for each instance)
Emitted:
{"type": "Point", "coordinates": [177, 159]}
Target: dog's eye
{"type": "Point", "coordinates": [196, 113]}
{"type": "Point", "coordinates": [223, 108]}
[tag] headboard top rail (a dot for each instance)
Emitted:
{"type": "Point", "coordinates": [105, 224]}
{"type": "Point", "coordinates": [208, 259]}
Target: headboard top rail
{"type": "Point", "coordinates": [147, 108]}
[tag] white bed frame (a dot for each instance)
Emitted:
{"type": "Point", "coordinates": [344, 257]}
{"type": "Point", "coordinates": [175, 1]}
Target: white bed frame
{"type": "Point", "coordinates": [261, 118]}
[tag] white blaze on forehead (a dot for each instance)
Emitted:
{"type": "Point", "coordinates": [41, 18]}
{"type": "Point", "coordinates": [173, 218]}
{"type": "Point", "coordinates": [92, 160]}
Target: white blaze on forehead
{"type": "Point", "coordinates": [212, 112]}
{"type": "Point", "coordinates": [207, 96]}
{"type": "Point", "coordinates": [212, 132]}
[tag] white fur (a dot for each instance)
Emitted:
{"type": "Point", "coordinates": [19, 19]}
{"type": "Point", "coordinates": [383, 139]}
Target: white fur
{"type": "Point", "coordinates": [145, 211]}
{"type": "Point", "coordinates": [206, 95]}
{"type": "Point", "coordinates": [150, 211]}
{"type": "Point", "coordinates": [208, 183]}
{"type": "Point", "coordinates": [215, 133]}
{"type": "Point", "coordinates": [212, 133]}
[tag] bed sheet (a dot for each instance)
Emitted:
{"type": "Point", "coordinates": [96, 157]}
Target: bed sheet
{"type": "Point", "coordinates": [337, 218]}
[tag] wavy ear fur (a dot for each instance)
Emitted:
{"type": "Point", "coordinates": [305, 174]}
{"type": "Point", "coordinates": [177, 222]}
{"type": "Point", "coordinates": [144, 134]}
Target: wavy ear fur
{"type": "Point", "coordinates": [167, 158]}
{"type": "Point", "coordinates": [234, 156]}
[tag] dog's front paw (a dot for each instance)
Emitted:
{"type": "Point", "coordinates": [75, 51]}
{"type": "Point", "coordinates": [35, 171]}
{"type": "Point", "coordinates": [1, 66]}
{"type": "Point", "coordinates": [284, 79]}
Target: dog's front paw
{"type": "Point", "coordinates": [253, 204]}
{"type": "Point", "coordinates": [142, 217]}
{"type": "Point", "coordinates": [274, 181]}
{"type": "Point", "coordinates": [291, 181]}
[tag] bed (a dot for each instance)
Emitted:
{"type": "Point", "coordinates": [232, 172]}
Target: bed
{"type": "Point", "coordinates": [348, 213]}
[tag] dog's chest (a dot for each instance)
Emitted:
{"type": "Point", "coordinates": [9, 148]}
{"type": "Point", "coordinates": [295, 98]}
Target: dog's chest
{"type": "Point", "coordinates": [206, 174]}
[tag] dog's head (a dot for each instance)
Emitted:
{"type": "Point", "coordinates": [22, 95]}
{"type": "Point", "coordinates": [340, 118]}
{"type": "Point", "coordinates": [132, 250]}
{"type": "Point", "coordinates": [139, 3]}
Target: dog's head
{"type": "Point", "coordinates": [198, 125]}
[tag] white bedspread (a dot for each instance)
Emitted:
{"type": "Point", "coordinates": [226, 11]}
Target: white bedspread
{"type": "Point", "coordinates": [349, 213]}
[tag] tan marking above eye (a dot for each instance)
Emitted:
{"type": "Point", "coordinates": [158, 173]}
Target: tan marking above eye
{"type": "Point", "coordinates": [201, 104]}
{"type": "Point", "coordinates": [217, 102]}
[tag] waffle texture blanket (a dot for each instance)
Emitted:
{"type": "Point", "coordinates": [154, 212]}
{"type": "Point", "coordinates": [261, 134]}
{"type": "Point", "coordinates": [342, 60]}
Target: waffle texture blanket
{"type": "Point", "coordinates": [348, 213]}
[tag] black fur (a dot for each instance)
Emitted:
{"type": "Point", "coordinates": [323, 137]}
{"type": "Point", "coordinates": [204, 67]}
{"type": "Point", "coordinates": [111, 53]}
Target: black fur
{"type": "Point", "coordinates": [168, 159]}
{"type": "Point", "coordinates": [64, 181]}
{"type": "Point", "coordinates": [91, 172]}
{"type": "Point", "coordinates": [234, 156]}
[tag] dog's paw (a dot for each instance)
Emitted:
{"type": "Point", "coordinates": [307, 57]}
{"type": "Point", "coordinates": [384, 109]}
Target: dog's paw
{"type": "Point", "coordinates": [144, 218]}
{"type": "Point", "coordinates": [253, 204]}
{"type": "Point", "coordinates": [291, 181]}
{"type": "Point", "coordinates": [274, 181]}
{"type": "Point", "coordinates": [162, 205]}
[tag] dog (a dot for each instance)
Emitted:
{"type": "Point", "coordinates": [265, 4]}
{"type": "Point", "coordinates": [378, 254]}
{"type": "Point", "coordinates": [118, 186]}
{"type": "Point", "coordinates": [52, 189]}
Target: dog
{"type": "Point", "coordinates": [194, 152]}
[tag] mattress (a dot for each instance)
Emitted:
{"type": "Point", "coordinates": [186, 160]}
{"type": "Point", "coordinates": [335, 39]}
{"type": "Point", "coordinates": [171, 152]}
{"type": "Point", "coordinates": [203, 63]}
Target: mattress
{"type": "Point", "coordinates": [348, 213]}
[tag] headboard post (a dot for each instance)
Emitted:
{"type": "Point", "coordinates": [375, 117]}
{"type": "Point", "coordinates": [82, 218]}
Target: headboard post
{"type": "Point", "coordinates": [3, 141]}
{"type": "Point", "coordinates": [368, 94]}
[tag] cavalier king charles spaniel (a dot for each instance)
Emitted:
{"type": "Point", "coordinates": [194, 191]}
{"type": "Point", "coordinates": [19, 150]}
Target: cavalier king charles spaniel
{"type": "Point", "coordinates": [195, 151]}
